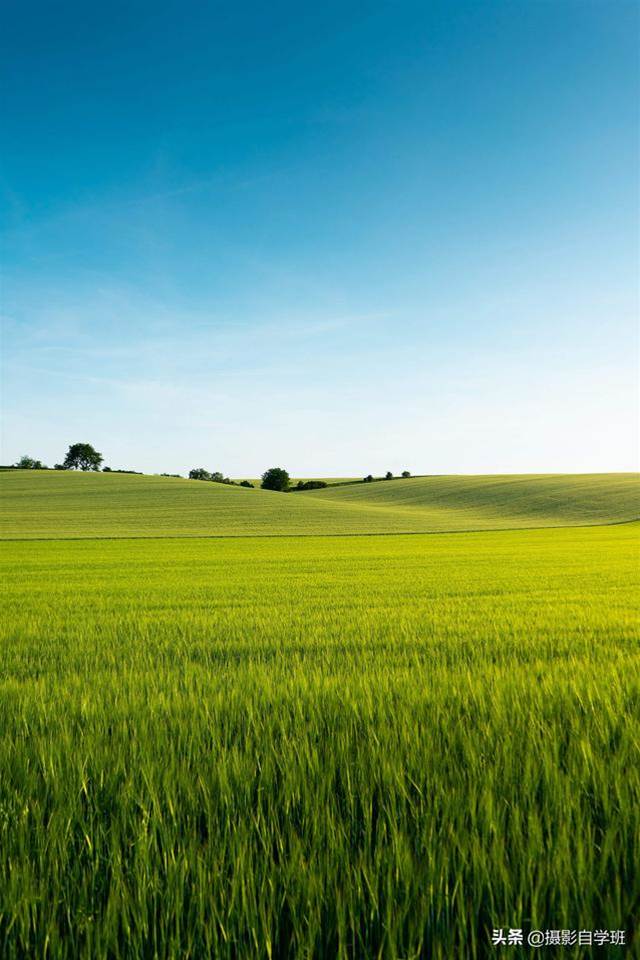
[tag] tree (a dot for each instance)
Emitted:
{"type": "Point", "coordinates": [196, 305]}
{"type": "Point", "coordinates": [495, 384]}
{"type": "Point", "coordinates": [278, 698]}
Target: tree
{"type": "Point", "coordinates": [405, 474]}
{"type": "Point", "coordinates": [245, 483]}
{"type": "Point", "coordinates": [275, 479]}
{"type": "Point", "coordinates": [388, 475]}
{"type": "Point", "coordinates": [199, 473]}
{"type": "Point", "coordinates": [368, 479]}
{"type": "Point", "coordinates": [310, 485]}
{"type": "Point", "coordinates": [82, 456]}
{"type": "Point", "coordinates": [28, 463]}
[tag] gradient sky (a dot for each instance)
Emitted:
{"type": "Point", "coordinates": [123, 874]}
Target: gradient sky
{"type": "Point", "coordinates": [339, 237]}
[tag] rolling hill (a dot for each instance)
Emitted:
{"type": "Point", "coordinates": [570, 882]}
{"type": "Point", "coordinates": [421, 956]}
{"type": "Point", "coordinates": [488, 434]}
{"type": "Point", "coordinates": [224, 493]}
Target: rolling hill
{"type": "Point", "coordinates": [65, 505]}
{"type": "Point", "coordinates": [473, 502]}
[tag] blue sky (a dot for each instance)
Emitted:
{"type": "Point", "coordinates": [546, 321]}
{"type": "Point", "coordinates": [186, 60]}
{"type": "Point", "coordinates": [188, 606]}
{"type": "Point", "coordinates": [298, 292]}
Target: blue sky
{"type": "Point", "coordinates": [339, 237]}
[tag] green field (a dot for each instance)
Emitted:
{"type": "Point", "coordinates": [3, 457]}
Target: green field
{"type": "Point", "coordinates": [47, 504]}
{"type": "Point", "coordinates": [316, 746]}
{"type": "Point", "coordinates": [499, 501]}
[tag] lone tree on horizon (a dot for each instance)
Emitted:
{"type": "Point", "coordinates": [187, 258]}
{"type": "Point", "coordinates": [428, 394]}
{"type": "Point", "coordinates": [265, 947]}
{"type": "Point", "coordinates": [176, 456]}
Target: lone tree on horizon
{"type": "Point", "coordinates": [275, 479]}
{"type": "Point", "coordinates": [82, 456]}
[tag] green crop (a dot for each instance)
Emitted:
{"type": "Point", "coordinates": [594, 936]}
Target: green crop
{"type": "Point", "coordinates": [48, 504]}
{"type": "Point", "coordinates": [478, 502]}
{"type": "Point", "coordinates": [315, 747]}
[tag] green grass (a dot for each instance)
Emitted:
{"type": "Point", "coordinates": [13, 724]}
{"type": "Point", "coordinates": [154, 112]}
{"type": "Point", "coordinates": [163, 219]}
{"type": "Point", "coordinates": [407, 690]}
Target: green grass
{"type": "Point", "coordinates": [51, 504]}
{"type": "Point", "coordinates": [313, 747]}
{"type": "Point", "coordinates": [517, 500]}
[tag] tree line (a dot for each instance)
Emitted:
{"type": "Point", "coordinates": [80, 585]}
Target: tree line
{"type": "Point", "coordinates": [83, 456]}
{"type": "Point", "coordinates": [277, 478]}
{"type": "Point", "coordinates": [80, 456]}
{"type": "Point", "coordinates": [199, 473]}
{"type": "Point", "coordinates": [273, 479]}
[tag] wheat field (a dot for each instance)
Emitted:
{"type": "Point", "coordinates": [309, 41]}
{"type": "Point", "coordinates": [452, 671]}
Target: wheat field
{"type": "Point", "coordinates": [53, 505]}
{"type": "Point", "coordinates": [315, 747]}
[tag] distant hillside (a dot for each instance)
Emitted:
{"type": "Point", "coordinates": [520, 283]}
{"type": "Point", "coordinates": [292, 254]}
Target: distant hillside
{"type": "Point", "coordinates": [51, 504]}
{"type": "Point", "coordinates": [511, 500]}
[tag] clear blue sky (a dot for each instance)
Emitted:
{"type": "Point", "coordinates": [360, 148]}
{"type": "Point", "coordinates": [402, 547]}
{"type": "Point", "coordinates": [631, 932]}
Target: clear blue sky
{"type": "Point", "coordinates": [339, 237]}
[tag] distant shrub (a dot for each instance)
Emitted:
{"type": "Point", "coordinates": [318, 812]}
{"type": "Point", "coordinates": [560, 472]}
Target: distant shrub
{"type": "Point", "coordinates": [368, 479]}
{"type": "Point", "coordinates": [28, 463]}
{"type": "Point", "coordinates": [245, 483]}
{"type": "Point", "coordinates": [199, 473]}
{"type": "Point", "coordinates": [178, 476]}
{"type": "Point", "coordinates": [137, 473]}
{"type": "Point", "coordinates": [275, 479]}
{"type": "Point", "coordinates": [388, 475]}
{"type": "Point", "coordinates": [61, 466]}
{"type": "Point", "coordinates": [405, 474]}
{"type": "Point", "coordinates": [310, 485]}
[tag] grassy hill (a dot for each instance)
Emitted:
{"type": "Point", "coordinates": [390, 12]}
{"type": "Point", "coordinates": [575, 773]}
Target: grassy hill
{"type": "Point", "coordinates": [69, 505]}
{"type": "Point", "coordinates": [470, 502]}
